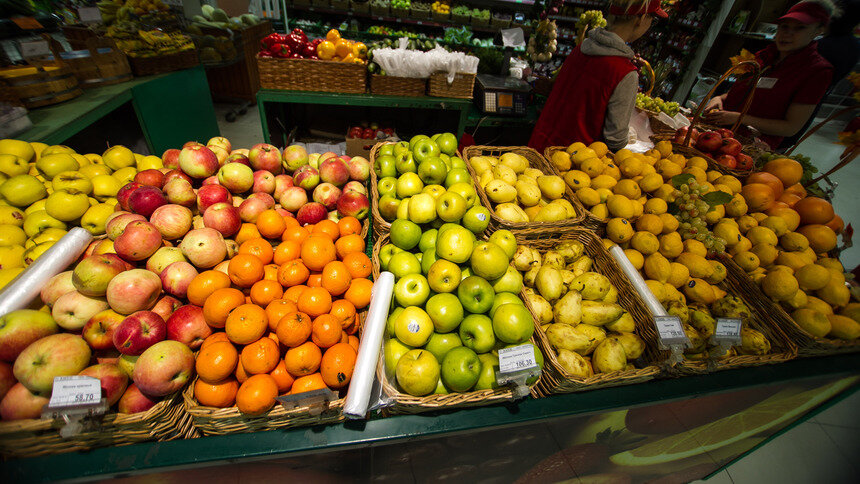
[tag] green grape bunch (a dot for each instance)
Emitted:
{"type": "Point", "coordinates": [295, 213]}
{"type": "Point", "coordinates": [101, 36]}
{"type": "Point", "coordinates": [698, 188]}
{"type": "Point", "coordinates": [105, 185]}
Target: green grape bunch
{"type": "Point", "coordinates": [656, 104]}
{"type": "Point", "coordinates": [591, 18]}
{"type": "Point", "coordinates": [691, 214]}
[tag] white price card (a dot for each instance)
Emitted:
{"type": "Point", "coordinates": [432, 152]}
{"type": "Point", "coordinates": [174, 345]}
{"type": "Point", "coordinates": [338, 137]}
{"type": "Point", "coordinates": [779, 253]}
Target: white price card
{"type": "Point", "coordinates": [75, 390]}
{"type": "Point", "coordinates": [33, 48]}
{"type": "Point", "coordinates": [728, 330]}
{"type": "Point", "coordinates": [670, 331]}
{"type": "Point", "coordinates": [89, 15]}
{"type": "Point", "coordinates": [517, 358]}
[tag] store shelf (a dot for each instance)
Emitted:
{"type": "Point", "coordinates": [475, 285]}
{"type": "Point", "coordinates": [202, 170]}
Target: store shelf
{"type": "Point", "coordinates": [587, 3]}
{"type": "Point", "coordinates": [404, 21]}
{"type": "Point", "coordinates": [563, 18]}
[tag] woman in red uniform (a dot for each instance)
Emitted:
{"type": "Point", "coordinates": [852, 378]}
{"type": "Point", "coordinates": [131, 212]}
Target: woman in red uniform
{"type": "Point", "coordinates": [794, 77]}
{"type": "Point", "coordinates": [595, 91]}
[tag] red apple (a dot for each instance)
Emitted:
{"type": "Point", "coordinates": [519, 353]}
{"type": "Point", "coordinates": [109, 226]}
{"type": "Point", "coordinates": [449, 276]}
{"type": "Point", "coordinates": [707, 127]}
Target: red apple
{"type": "Point", "coordinates": [172, 221]}
{"type": "Point", "coordinates": [728, 161]}
{"type": "Point", "coordinates": [334, 171]}
{"type": "Point", "coordinates": [709, 142]}
{"type": "Point", "coordinates": [151, 177]}
{"type": "Point", "coordinates": [236, 177]}
{"type": "Point", "coordinates": [241, 151]}
{"type": "Point", "coordinates": [92, 275]}
{"type": "Point", "coordinates": [204, 247]}
{"type": "Point", "coordinates": [7, 378]}
{"type": "Point", "coordinates": [745, 162]}
{"type": "Point", "coordinates": [176, 278]}
{"type": "Point", "coordinates": [232, 250]}
{"type": "Point", "coordinates": [61, 354]}
{"type": "Point", "coordinates": [57, 286]}
{"type": "Point", "coordinates": [170, 158]}
{"type": "Point", "coordinates": [726, 133]}
{"type": "Point", "coordinates": [224, 218]}
{"type": "Point", "coordinates": [180, 192]}
{"type": "Point", "coordinates": [138, 332]}
{"type": "Point", "coordinates": [164, 368]}
{"type": "Point", "coordinates": [176, 174]}
{"type": "Point", "coordinates": [165, 306]}
{"type": "Point", "coordinates": [221, 142]}
{"type": "Point", "coordinates": [198, 162]}
{"type": "Point", "coordinates": [124, 192]}
{"type": "Point", "coordinates": [359, 168]}
{"type": "Point", "coordinates": [264, 182]}
{"type": "Point", "coordinates": [187, 325]}
{"type": "Point", "coordinates": [306, 177]}
{"type": "Point", "coordinates": [355, 186]}
{"type": "Point", "coordinates": [326, 194]}
{"type": "Point", "coordinates": [20, 403]}
{"type": "Point", "coordinates": [135, 401]}
{"type": "Point", "coordinates": [220, 154]}
{"type": "Point", "coordinates": [145, 200]}
{"type": "Point", "coordinates": [134, 290]}
{"type": "Point", "coordinates": [314, 160]}
{"type": "Point", "coordinates": [113, 380]}
{"type": "Point", "coordinates": [251, 208]}
{"type": "Point", "coordinates": [72, 310]}
{"type": "Point", "coordinates": [163, 257]}
{"type": "Point", "coordinates": [210, 195]}
{"type": "Point", "coordinates": [682, 133]}
{"type": "Point", "coordinates": [20, 328]}
{"type": "Point", "coordinates": [212, 180]}
{"type": "Point", "coordinates": [116, 225]}
{"type": "Point", "coordinates": [294, 157]}
{"type": "Point", "coordinates": [98, 332]}
{"type": "Point", "coordinates": [731, 147]}
{"type": "Point", "coordinates": [311, 213]}
{"type": "Point", "coordinates": [282, 182]}
{"type": "Point", "coordinates": [353, 204]}
{"type": "Point", "coordinates": [264, 156]}
{"type": "Point", "coordinates": [238, 158]}
{"type": "Point", "coordinates": [109, 356]}
{"type": "Point", "coordinates": [138, 241]}
{"type": "Point", "coordinates": [325, 156]}
{"type": "Point", "coordinates": [189, 144]}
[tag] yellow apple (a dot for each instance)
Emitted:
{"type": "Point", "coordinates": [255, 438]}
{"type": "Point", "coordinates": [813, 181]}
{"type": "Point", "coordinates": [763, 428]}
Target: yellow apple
{"type": "Point", "coordinates": [81, 159]}
{"type": "Point", "coordinates": [11, 216]}
{"type": "Point", "coordinates": [38, 148]}
{"type": "Point", "coordinates": [33, 253]}
{"type": "Point", "coordinates": [13, 165]}
{"type": "Point", "coordinates": [50, 166]}
{"type": "Point", "coordinates": [21, 149]}
{"type": "Point", "coordinates": [6, 275]}
{"type": "Point", "coordinates": [35, 207]}
{"type": "Point", "coordinates": [117, 157]}
{"type": "Point", "coordinates": [51, 150]}
{"type": "Point", "coordinates": [92, 171]}
{"type": "Point", "coordinates": [150, 162]}
{"type": "Point", "coordinates": [39, 221]}
{"type": "Point", "coordinates": [67, 205]}
{"type": "Point", "coordinates": [94, 219]}
{"type": "Point", "coordinates": [48, 235]}
{"type": "Point", "coordinates": [11, 257]}
{"type": "Point", "coordinates": [72, 180]}
{"type": "Point", "coordinates": [94, 158]}
{"type": "Point", "coordinates": [125, 175]}
{"type": "Point", "coordinates": [12, 235]}
{"type": "Point", "coordinates": [22, 190]}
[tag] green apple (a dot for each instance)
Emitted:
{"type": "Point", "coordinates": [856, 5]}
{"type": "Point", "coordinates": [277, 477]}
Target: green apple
{"type": "Point", "coordinates": [386, 149]}
{"type": "Point", "coordinates": [512, 281]}
{"type": "Point", "coordinates": [433, 171]}
{"type": "Point", "coordinates": [428, 240]}
{"type": "Point", "coordinates": [388, 206]}
{"type": "Point", "coordinates": [104, 186]}
{"type": "Point", "coordinates": [393, 350]}
{"type": "Point", "coordinates": [408, 184]}
{"type": "Point", "coordinates": [457, 175]}
{"type": "Point", "coordinates": [476, 294]}
{"type": "Point", "coordinates": [415, 139]}
{"type": "Point", "coordinates": [39, 221]}
{"type": "Point", "coordinates": [451, 207]}
{"type": "Point", "coordinates": [412, 290]}
{"type": "Point", "coordinates": [422, 208]}
{"type": "Point", "coordinates": [11, 165]}
{"type": "Point", "coordinates": [457, 162]}
{"type": "Point", "coordinates": [504, 298]}
{"type": "Point", "coordinates": [413, 327]}
{"type": "Point", "coordinates": [440, 389]}
{"type": "Point", "coordinates": [445, 226]}
{"type": "Point", "coordinates": [441, 343]}
{"type": "Point", "coordinates": [447, 143]}
{"type": "Point", "coordinates": [420, 257]}
{"type": "Point", "coordinates": [22, 190]}
{"type": "Point", "coordinates": [467, 191]}
{"type": "Point", "coordinates": [72, 180]}
{"type": "Point", "coordinates": [461, 369]}
{"type": "Point", "coordinates": [95, 218]}
{"type": "Point", "coordinates": [445, 311]}
{"type": "Point", "coordinates": [405, 234]}
{"type": "Point", "coordinates": [389, 323]}
{"type": "Point", "coordinates": [443, 276]}
{"type": "Point", "coordinates": [435, 137]}
{"type": "Point", "coordinates": [454, 244]}
{"type": "Point", "coordinates": [435, 191]}
{"type": "Point", "coordinates": [506, 241]}
{"type": "Point", "coordinates": [384, 166]}
{"type": "Point", "coordinates": [405, 163]}
{"type": "Point", "coordinates": [386, 252]}
{"type": "Point", "coordinates": [52, 165]}
{"type": "Point", "coordinates": [428, 258]}
{"type": "Point", "coordinates": [418, 373]}
{"type": "Point", "coordinates": [424, 150]}
{"type": "Point", "coordinates": [402, 264]}
{"type": "Point", "coordinates": [489, 366]}
{"type": "Point", "coordinates": [401, 147]}
{"type": "Point", "coordinates": [403, 209]}
{"type": "Point", "coordinates": [476, 219]}
{"type": "Point", "coordinates": [387, 186]}
{"type": "Point", "coordinates": [489, 261]}
{"type": "Point", "coordinates": [67, 205]}
{"type": "Point", "coordinates": [476, 332]}
{"type": "Point", "coordinates": [118, 157]}
{"type": "Point", "coordinates": [465, 271]}
{"type": "Point", "coordinates": [513, 323]}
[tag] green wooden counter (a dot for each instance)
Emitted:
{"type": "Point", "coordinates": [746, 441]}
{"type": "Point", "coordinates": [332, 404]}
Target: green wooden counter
{"type": "Point", "coordinates": [171, 109]}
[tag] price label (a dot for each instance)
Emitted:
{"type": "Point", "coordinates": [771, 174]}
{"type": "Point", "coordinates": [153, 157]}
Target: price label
{"type": "Point", "coordinates": [71, 391]}
{"type": "Point", "coordinates": [517, 358]}
{"type": "Point", "coordinates": [27, 23]}
{"type": "Point", "coordinates": [728, 331]}
{"type": "Point", "coordinates": [671, 332]}
{"type": "Point", "coordinates": [89, 15]}
{"type": "Point", "coordinates": [33, 48]}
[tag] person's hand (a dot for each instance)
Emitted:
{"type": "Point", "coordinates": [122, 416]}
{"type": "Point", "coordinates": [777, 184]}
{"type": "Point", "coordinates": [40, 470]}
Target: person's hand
{"type": "Point", "coordinates": [722, 118]}
{"type": "Point", "coordinates": [716, 102]}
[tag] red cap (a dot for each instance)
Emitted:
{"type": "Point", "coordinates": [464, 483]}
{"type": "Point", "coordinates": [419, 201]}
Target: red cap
{"type": "Point", "coordinates": [639, 8]}
{"type": "Point", "coordinates": [807, 13]}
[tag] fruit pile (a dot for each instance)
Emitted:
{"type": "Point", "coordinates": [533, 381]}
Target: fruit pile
{"type": "Point", "coordinates": [543, 44]}
{"type": "Point", "coordinates": [521, 193]}
{"type": "Point", "coordinates": [401, 4]}
{"type": "Point", "coordinates": [296, 45]}
{"type": "Point", "coordinates": [720, 145]}
{"type": "Point", "coordinates": [590, 19]}
{"type": "Point", "coordinates": [656, 104]}
{"type": "Point", "coordinates": [578, 310]}
{"type": "Point", "coordinates": [115, 10]}
{"type": "Point", "coordinates": [443, 7]}
{"type": "Point", "coordinates": [370, 132]}
{"type": "Point", "coordinates": [140, 43]}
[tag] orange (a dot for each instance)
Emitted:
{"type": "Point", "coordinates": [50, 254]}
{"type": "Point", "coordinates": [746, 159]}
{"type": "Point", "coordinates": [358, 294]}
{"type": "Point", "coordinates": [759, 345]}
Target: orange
{"type": "Point", "coordinates": [349, 226]}
{"type": "Point", "coordinates": [245, 270]}
{"type": "Point", "coordinates": [246, 232]}
{"type": "Point", "coordinates": [277, 309]}
{"type": "Point", "coordinates": [257, 394]}
{"type": "Point", "coordinates": [352, 328]}
{"type": "Point", "coordinates": [336, 278]}
{"type": "Point", "coordinates": [282, 377]}
{"type": "Point", "coordinates": [314, 301]}
{"type": "Point", "coordinates": [296, 234]}
{"type": "Point", "coordinates": [821, 237]}
{"type": "Point", "coordinates": [241, 374]}
{"type": "Point", "coordinates": [221, 394]}
{"type": "Point", "coordinates": [293, 293]}
{"type": "Point", "coordinates": [287, 251]}
{"type": "Point", "coordinates": [309, 228]}
{"type": "Point", "coordinates": [294, 329]}
{"type": "Point", "coordinates": [261, 356]}
{"type": "Point", "coordinates": [270, 272]}
{"type": "Point", "coordinates": [317, 251]}
{"type": "Point", "coordinates": [349, 244]}
{"type": "Point", "coordinates": [759, 197]}
{"type": "Point", "coordinates": [773, 182]}
{"type": "Point", "coordinates": [291, 221]}
{"type": "Point", "coordinates": [327, 227]}
{"type": "Point", "coordinates": [259, 247]}
{"type": "Point", "coordinates": [307, 384]}
{"type": "Point", "coordinates": [216, 362]}
{"type": "Point", "coordinates": [263, 292]}
{"type": "Point", "coordinates": [214, 338]}
{"type": "Point", "coordinates": [789, 198]}
{"type": "Point", "coordinates": [359, 264]}
{"type": "Point", "coordinates": [353, 341]}
{"type": "Point", "coordinates": [359, 293]}
{"type": "Point", "coordinates": [343, 312]}
{"type": "Point", "coordinates": [303, 359]}
{"type": "Point", "coordinates": [814, 210]}
{"type": "Point", "coordinates": [219, 304]}
{"type": "Point", "coordinates": [246, 324]}
{"type": "Point", "coordinates": [271, 224]}
{"type": "Point", "coordinates": [337, 365]}
{"type": "Point", "coordinates": [222, 266]}
{"type": "Point", "coordinates": [792, 218]}
{"type": "Point", "coordinates": [315, 280]}
{"type": "Point", "coordinates": [797, 189]}
{"type": "Point", "coordinates": [326, 331]}
{"type": "Point", "coordinates": [344, 338]}
{"type": "Point", "coordinates": [205, 284]}
{"type": "Point", "coordinates": [293, 273]}
{"type": "Point", "coordinates": [787, 170]}
{"type": "Point", "coordinates": [274, 337]}
{"type": "Point", "coordinates": [836, 224]}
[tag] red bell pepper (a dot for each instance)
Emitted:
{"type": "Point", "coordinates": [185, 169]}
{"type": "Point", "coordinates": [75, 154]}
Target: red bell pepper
{"type": "Point", "coordinates": [300, 33]}
{"type": "Point", "coordinates": [280, 50]}
{"type": "Point", "coordinates": [368, 133]}
{"type": "Point", "coordinates": [268, 41]}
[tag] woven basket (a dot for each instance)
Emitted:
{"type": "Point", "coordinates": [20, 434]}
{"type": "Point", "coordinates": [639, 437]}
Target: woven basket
{"type": "Point", "coordinates": [359, 7]}
{"type": "Point", "coordinates": [340, 4]}
{"type": "Point", "coordinates": [498, 23]}
{"type": "Point", "coordinates": [555, 379]}
{"type": "Point", "coordinates": [149, 66]}
{"type": "Point", "coordinates": [167, 420]}
{"type": "Point", "coordinates": [419, 14]}
{"type": "Point", "coordinates": [440, 16]}
{"type": "Point", "coordinates": [77, 35]}
{"type": "Point", "coordinates": [48, 83]}
{"type": "Point", "coordinates": [97, 69]}
{"type": "Point", "coordinates": [461, 88]}
{"type": "Point", "coordinates": [380, 10]}
{"type": "Point", "coordinates": [407, 404]}
{"type": "Point", "coordinates": [461, 18]}
{"type": "Point", "coordinates": [397, 86]}
{"type": "Point", "coordinates": [399, 12]}
{"type": "Point", "coordinates": [480, 22]}
{"type": "Point", "coordinates": [591, 221]}
{"type": "Point", "coordinates": [535, 161]}
{"type": "Point", "coordinates": [312, 75]}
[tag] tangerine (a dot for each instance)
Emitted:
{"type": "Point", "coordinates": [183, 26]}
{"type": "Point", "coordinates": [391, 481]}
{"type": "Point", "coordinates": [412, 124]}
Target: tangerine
{"type": "Point", "coordinates": [315, 280]}
{"type": "Point", "coordinates": [246, 324]}
{"type": "Point", "coordinates": [241, 374]}
{"type": "Point", "coordinates": [327, 227]}
{"type": "Point", "coordinates": [759, 197]}
{"type": "Point", "coordinates": [263, 292]}
{"type": "Point", "coordinates": [205, 284]}
{"type": "Point", "coordinates": [221, 394]}
{"type": "Point", "coordinates": [349, 244]}
{"type": "Point", "coordinates": [277, 309]}
{"type": "Point", "coordinates": [348, 226]}
{"type": "Point", "coordinates": [293, 293]}
{"type": "Point", "coordinates": [359, 264]}
{"type": "Point", "coordinates": [303, 359]}
{"type": "Point", "coordinates": [293, 273]}
{"type": "Point", "coordinates": [214, 338]}
{"type": "Point", "coordinates": [282, 377]}
{"type": "Point", "coordinates": [245, 270]}
{"type": "Point", "coordinates": [836, 224]}
{"type": "Point", "coordinates": [287, 251]}
{"type": "Point", "coordinates": [261, 356]}
{"type": "Point", "coordinates": [353, 341]}
{"type": "Point", "coordinates": [291, 221]}
{"type": "Point", "coordinates": [359, 293]}
{"type": "Point", "coordinates": [821, 237]}
{"type": "Point", "coordinates": [247, 232]}
{"type": "Point", "coordinates": [344, 312]}
{"type": "Point", "coordinates": [326, 331]}
{"type": "Point", "coordinates": [337, 365]}
{"type": "Point", "coordinates": [814, 210]}
{"type": "Point", "coordinates": [307, 384]}
{"type": "Point", "coordinates": [317, 251]}
{"type": "Point", "coordinates": [216, 361]}
{"type": "Point", "coordinates": [766, 178]}
{"type": "Point", "coordinates": [222, 266]}
{"type": "Point", "coordinates": [271, 224]}
{"type": "Point", "coordinates": [787, 170]}
{"type": "Point", "coordinates": [219, 304]}
{"type": "Point", "coordinates": [296, 234]}
{"type": "Point", "coordinates": [336, 278]}
{"type": "Point", "coordinates": [314, 301]}
{"type": "Point", "coordinates": [257, 394]}
{"type": "Point", "coordinates": [792, 218]}
{"type": "Point", "coordinates": [797, 189]}
{"type": "Point", "coordinates": [294, 329]}
{"type": "Point", "coordinates": [270, 272]}
{"type": "Point", "coordinates": [259, 247]}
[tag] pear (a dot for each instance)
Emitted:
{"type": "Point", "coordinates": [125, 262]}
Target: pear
{"type": "Point", "coordinates": [511, 281]}
{"type": "Point", "coordinates": [568, 207]}
{"type": "Point", "coordinates": [574, 364]}
{"type": "Point", "coordinates": [611, 296]}
{"type": "Point", "coordinates": [511, 212]}
{"type": "Point", "coordinates": [526, 179]}
{"type": "Point", "coordinates": [594, 334]}
{"type": "Point", "coordinates": [565, 337]}
{"type": "Point", "coordinates": [609, 356]}
{"type": "Point", "coordinates": [570, 250]}
{"type": "Point", "coordinates": [561, 161]}
{"type": "Point", "coordinates": [552, 212]}
{"type": "Point", "coordinates": [697, 343]}
{"type": "Point", "coordinates": [624, 324]}
{"type": "Point", "coordinates": [480, 164]}
{"type": "Point", "coordinates": [499, 191]}
{"type": "Point", "coordinates": [568, 309]}
{"type": "Point", "coordinates": [753, 342]}
{"type": "Point", "coordinates": [514, 162]}
{"type": "Point", "coordinates": [524, 258]}
{"type": "Point", "coordinates": [703, 322]}
{"type": "Point", "coordinates": [505, 174]}
{"type": "Point", "coordinates": [600, 313]}
{"type": "Point", "coordinates": [551, 186]}
{"type": "Point", "coordinates": [541, 307]}
{"type": "Point", "coordinates": [567, 277]}
{"type": "Point", "coordinates": [531, 275]}
{"type": "Point", "coordinates": [485, 178]}
{"type": "Point", "coordinates": [533, 172]}
{"type": "Point", "coordinates": [553, 259]}
{"type": "Point", "coordinates": [592, 285]}
{"type": "Point", "coordinates": [633, 345]}
{"type": "Point", "coordinates": [581, 265]}
{"type": "Point", "coordinates": [528, 194]}
{"type": "Point", "coordinates": [548, 282]}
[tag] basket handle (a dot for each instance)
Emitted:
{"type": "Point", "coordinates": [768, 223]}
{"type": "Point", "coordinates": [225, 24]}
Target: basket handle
{"type": "Point", "coordinates": [698, 114]}
{"type": "Point", "coordinates": [818, 126]}
{"type": "Point", "coordinates": [644, 64]}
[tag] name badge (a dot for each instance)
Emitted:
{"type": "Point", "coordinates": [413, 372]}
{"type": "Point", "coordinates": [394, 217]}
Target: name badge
{"type": "Point", "coordinates": [766, 82]}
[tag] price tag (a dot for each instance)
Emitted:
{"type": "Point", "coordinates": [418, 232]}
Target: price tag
{"type": "Point", "coordinates": [419, 22]}
{"type": "Point", "coordinates": [27, 23]}
{"type": "Point", "coordinates": [517, 358]}
{"type": "Point", "coordinates": [75, 390]}
{"type": "Point", "coordinates": [671, 332]}
{"type": "Point", "coordinates": [728, 332]}
{"type": "Point", "coordinates": [34, 48]}
{"type": "Point", "coordinates": [89, 15]}
{"type": "Point", "coordinates": [316, 400]}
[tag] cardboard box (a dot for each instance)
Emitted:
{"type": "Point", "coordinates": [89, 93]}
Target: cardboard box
{"type": "Point", "coordinates": [361, 147]}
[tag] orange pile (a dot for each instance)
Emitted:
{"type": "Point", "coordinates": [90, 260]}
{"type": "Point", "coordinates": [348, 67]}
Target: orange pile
{"type": "Point", "coordinates": [288, 314]}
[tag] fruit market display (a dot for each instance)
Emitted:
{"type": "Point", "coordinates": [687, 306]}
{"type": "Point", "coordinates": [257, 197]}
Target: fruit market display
{"type": "Point", "coordinates": [519, 192]}
{"type": "Point", "coordinates": [656, 104]}
{"type": "Point", "coordinates": [141, 43]}
{"type": "Point", "coordinates": [590, 19]}
{"type": "Point", "coordinates": [578, 310]}
{"type": "Point", "coordinates": [116, 10]}
{"type": "Point", "coordinates": [371, 131]}
{"type": "Point", "coordinates": [217, 18]}
{"type": "Point", "coordinates": [543, 44]}
{"type": "Point", "coordinates": [401, 4]}
{"type": "Point", "coordinates": [719, 145]}
{"type": "Point", "coordinates": [443, 7]}
{"type": "Point", "coordinates": [296, 45]}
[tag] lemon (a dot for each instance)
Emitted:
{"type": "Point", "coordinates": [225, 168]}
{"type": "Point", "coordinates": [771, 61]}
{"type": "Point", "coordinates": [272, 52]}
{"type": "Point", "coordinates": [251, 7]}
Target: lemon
{"type": "Point", "coordinates": [776, 224]}
{"type": "Point", "coordinates": [600, 210]}
{"type": "Point", "coordinates": [619, 230]}
{"type": "Point", "coordinates": [697, 172]}
{"type": "Point", "coordinates": [812, 277]}
{"type": "Point", "coordinates": [655, 206]}
{"type": "Point", "coordinates": [603, 181]}
{"type": "Point", "coordinates": [715, 214]}
{"type": "Point", "coordinates": [649, 170]}
{"type": "Point", "coordinates": [610, 169]}
{"type": "Point", "coordinates": [793, 241]}
{"type": "Point", "coordinates": [831, 263]}
{"type": "Point", "coordinates": [834, 293]}
{"type": "Point", "coordinates": [620, 206]}
{"type": "Point", "coordinates": [698, 265]}
{"type": "Point", "coordinates": [736, 207]}
{"type": "Point", "coordinates": [577, 179]}
{"type": "Point", "coordinates": [575, 147]}
{"type": "Point", "coordinates": [599, 148]}
{"type": "Point", "coordinates": [635, 258]}
{"type": "Point", "coordinates": [623, 154]}
{"type": "Point", "coordinates": [745, 223]}
{"type": "Point", "coordinates": [679, 275]}
{"type": "Point", "coordinates": [699, 291]}
{"type": "Point", "coordinates": [631, 167]}
{"type": "Point", "coordinates": [723, 188]}
{"type": "Point", "coordinates": [718, 273]}
{"type": "Point", "coordinates": [657, 288]}
{"type": "Point", "coordinates": [766, 253]}
{"type": "Point", "coordinates": [628, 188]}
{"type": "Point", "coordinates": [588, 196]}
{"type": "Point", "coordinates": [812, 321]}
{"type": "Point", "coordinates": [604, 193]}
{"type": "Point", "coordinates": [817, 304]}
{"type": "Point", "coordinates": [792, 260]}
{"type": "Point", "coordinates": [645, 242]}
{"type": "Point", "coordinates": [664, 147]}
{"type": "Point", "coordinates": [843, 327]}
{"type": "Point", "coordinates": [657, 267]}
{"type": "Point", "coordinates": [743, 245]}
{"type": "Point", "coordinates": [693, 246]}
{"type": "Point", "coordinates": [670, 223]}
{"type": "Point", "coordinates": [666, 192]}
{"type": "Point", "coordinates": [730, 181]}
{"type": "Point", "coordinates": [746, 261]}
{"type": "Point", "coordinates": [779, 285]}
{"type": "Point", "coordinates": [851, 311]}
{"type": "Point", "coordinates": [592, 167]}
{"type": "Point", "coordinates": [638, 208]}
{"type": "Point", "coordinates": [762, 235]}
{"type": "Point", "coordinates": [650, 182]}
{"type": "Point", "coordinates": [671, 245]}
{"type": "Point", "coordinates": [649, 223]}
{"type": "Point", "coordinates": [799, 300]}
{"type": "Point", "coordinates": [728, 232]}
{"type": "Point", "coordinates": [667, 169]}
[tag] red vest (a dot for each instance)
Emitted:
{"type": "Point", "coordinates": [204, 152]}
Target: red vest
{"type": "Point", "coordinates": [576, 107]}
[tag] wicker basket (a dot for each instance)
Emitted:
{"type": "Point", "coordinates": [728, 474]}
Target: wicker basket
{"type": "Point", "coordinates": [399, 12]}
{"type": "Point", "coordinates": [408, 404]}
{"type": "Point", "coordinates": [149, 66]}
{"type": "Point", "coordinates": [535, 161]}
{"type": "Point", "coordinates": [167, 420]}
{"type": "Point", "coordinates": [591, 221]}
{"type": "Point", "coordinates": [96, 69]}
{"type": "Point", "coordinates": [77, 35]}
{"type": "Point", "coordinates": [480, 22]}
{"type": "Point", "coordinates": [461, 18]}
{"type": "Point", "coordinates": [555, 379]}
{"type": "Point", "coordinates": [461, 88]}
{"type": "Point", "coordinates": [340, 4]}
{"type": "Point", "coordinates": [380, 10]}
{"type": "Point", "coordinates": [359, 7]}
{"type": "Point", "coordinates": [397, 86]}
{"type": "Point", "coordinates": [498, 23]}
{"type": "Point", "coordinates": [312, 75]}
{"type": "Point", "coordinates": [444, 17]}
{"type": "Point", "coordinates": [42, 84]}
{"type": "Point", "coordinates": [419, 14]}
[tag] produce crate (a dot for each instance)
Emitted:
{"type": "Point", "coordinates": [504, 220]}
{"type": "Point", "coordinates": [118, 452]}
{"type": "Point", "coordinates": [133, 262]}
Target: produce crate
{"type": "Point", "coordinates": [441, 16]}
{"type": "Point", "coordinates": [149, 66]}
{"type": "Point", "coordinates": [167, 420]}
{"type": "Point", "coordinates": [535, 161]}
{"type": "Point", "coordinates": [397, 86]}
{"type": "Point", "coordinates": [419, 14]}
{"type": "Point", "coordinates": [379, 10]}
{"type": "Point", "coordinates": [77, 35]}
{"type": "Point", "coordinates": [340, 4]}
{"type": "Point", "coordinates": [312, 75]}
{"type": "Point", "coordinates": [403, 403]}
{"type": "Point", "coordinates": [498, 23]}
{"type": "Point", "coordinates": [461, 18]}
{"type": "Point", "coordinates": [461, 88]}
{"type": "Point", "coordinates": [359, 7]}
{"type": "Point", "coordinates": [399, 12]}
{"type": "Point", "coordinates": [591, 221]}
{"type": "Point", "coordinates": [241, 80]}
{"type": "Point", "coordinates": [41, 84]}
{"type": "Point", "coordinates": [480, 22]}
{"type": "Point", "coordinates": [95, 68]}
{"type": "Point", "coordinates": [555, 379]}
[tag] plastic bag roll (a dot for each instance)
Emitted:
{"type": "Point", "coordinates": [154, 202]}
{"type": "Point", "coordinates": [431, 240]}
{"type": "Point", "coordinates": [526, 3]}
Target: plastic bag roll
{"type": "Point", "coordinates": [358, 396]}
{"type": "Point", "coordinates": [638, 283]}
{"type": "Point", "coordinates": [27, 286]}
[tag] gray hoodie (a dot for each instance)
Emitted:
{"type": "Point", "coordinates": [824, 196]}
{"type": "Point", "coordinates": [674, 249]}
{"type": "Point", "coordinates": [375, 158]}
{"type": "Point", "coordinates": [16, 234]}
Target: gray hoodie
{"type": "Point", "coordinates": [601, 42]}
